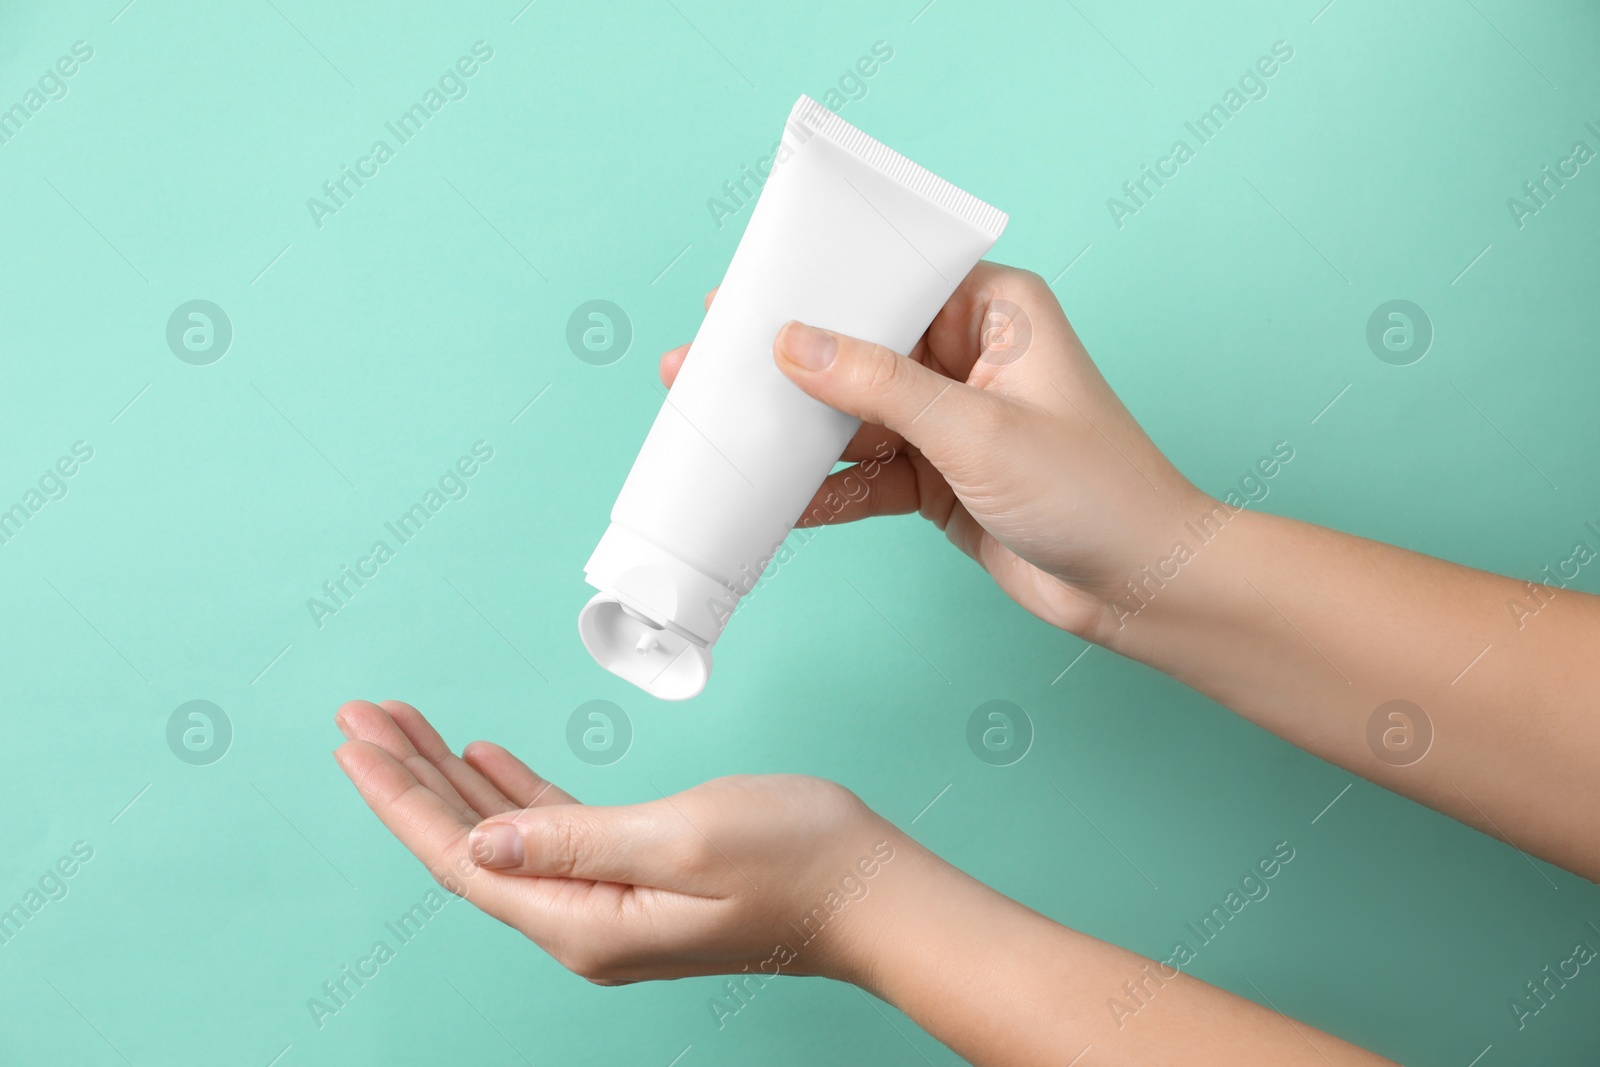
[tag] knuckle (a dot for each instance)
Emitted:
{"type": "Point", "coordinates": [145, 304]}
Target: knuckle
{"type": "Point", "coordinates": [592, 965]}
{"type": "Point", "coordinates": [834, 802]}
{"type": "Point", "coordinates": [698, 858]}
{"type": "Point", "coordinates": [579, 961]}
{"type": "Point", "coordinates": [449, 881]}
{"type": "Point", "coordinates": [885, 370]}
{"type": "Point", "coordinates": [561, 846]}
{"type": "Point", "coordinates": [1022, 283]}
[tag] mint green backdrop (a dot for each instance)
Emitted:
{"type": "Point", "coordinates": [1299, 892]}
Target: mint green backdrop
{"type": "Point", "coordinates": [426, 314]}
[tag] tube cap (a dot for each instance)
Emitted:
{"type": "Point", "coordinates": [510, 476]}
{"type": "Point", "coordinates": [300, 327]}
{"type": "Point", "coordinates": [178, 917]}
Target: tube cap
{"type": "Point", "coordinates": [630, 645]}
{"type": "Point", "coordinates": [655, 618]}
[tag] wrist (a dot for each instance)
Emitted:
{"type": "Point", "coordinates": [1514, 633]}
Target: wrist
{"type": "Point", "coordinates": [1192, 585]}
{"type": "Point", "coordinates": [923, 907]}
{"type": "Point", "coordinates": [831, 921]}
{"type": "Point", "coordinates": [997, 982]}
{"type": "Point", "coordinates": [871, 902]}
{"type": "Point", "coordinates": [1160, 557]}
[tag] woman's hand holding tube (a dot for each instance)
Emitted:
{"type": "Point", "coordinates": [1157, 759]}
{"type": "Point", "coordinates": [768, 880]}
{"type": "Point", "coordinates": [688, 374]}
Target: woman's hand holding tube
{"type": "Point", "coordinates": [1001, 431]}
{"type": "Point", "coordinates": [1464, 690]}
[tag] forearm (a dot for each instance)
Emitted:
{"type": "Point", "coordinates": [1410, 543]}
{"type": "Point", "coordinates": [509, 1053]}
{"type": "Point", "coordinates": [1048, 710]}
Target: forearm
{"type": "Point", "coordinates": [1002, 986]}
{"type": "Point", "coordinates": [1308, 632]}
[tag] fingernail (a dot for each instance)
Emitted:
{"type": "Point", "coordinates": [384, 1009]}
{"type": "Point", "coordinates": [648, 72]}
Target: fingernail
{"type": "Point", "coordinates": [808, 346]}
{"type": "Point", "coordinates": [496, 846]}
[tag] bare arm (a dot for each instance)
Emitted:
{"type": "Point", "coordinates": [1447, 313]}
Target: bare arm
{"type": "Point", "coordinates": [1315, 635]}
{"type": "Point", "coordinates": [1005, 434]}
{"type": "Point", "coordinates": [772, 876]}
{"type": "Point", "coordinates": [1005, 986]}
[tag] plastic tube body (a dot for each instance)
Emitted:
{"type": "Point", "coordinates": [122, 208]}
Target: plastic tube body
{"type": "Point", "coordinates": [847, 235]}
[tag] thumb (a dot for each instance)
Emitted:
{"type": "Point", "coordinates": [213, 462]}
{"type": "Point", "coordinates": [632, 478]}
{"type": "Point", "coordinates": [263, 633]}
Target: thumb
{"type": "Point", "coordinates": [635, 845]}
{"type": "Point", "coordinates": [878, 385]}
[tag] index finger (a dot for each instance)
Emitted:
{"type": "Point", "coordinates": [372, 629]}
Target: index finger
{"type": "Point", "coordinates": [434, 830]}
{"type": "Point", "coordinates": [558, 913]}
{"type": "Point", "coordinates": [955, 339]}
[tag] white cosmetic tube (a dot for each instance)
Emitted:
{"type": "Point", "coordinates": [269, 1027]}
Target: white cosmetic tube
{"type": "Point", "coordinates": [846, 234]}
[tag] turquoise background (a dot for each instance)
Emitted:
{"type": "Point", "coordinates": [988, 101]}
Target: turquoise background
{"type": "Point", "coordinates": [425, 316]}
